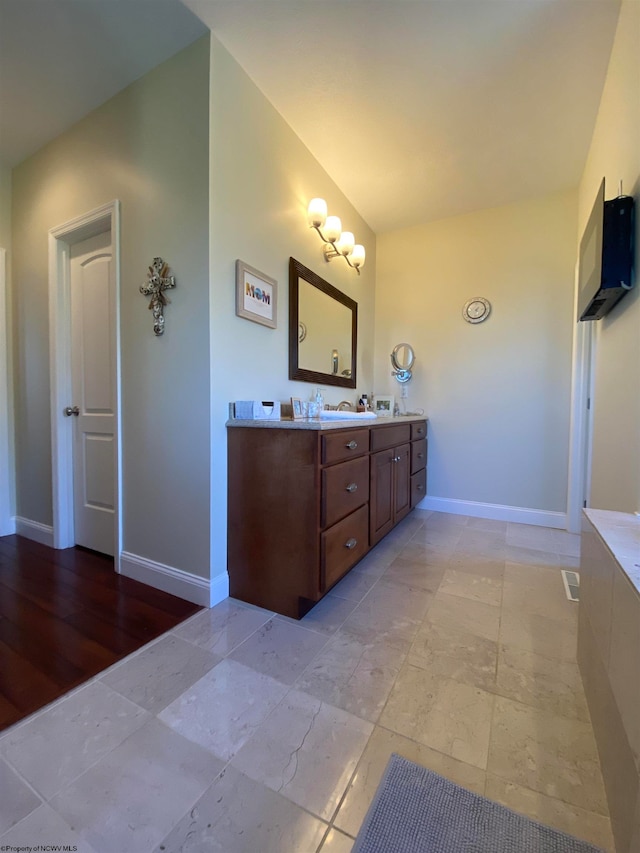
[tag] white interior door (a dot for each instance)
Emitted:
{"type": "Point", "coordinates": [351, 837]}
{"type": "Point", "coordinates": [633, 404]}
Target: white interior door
{"type": "Point", "coordinates": [93, 352]}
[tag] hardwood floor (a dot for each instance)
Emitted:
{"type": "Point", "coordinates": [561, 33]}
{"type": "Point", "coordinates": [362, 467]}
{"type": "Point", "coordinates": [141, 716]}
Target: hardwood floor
{"type": "Point", "coordinates": [64, 617]}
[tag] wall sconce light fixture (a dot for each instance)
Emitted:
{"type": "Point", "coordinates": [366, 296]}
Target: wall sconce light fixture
{"type": "Point", "coordinates": [336, 241]}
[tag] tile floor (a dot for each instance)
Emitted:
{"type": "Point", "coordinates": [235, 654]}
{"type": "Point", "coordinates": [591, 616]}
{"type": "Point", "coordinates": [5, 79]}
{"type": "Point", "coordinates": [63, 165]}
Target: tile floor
{"type": "Point", "coordinates": [451, 643]}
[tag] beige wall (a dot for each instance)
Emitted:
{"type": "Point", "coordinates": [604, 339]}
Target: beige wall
{"type": "Point", "coordinates": [148, 147]}
{"type": "Point", "coordinates": [5, 207]}
{"type": "Point", "coordinates": [7, 484]}
{"type": "Point", "coordinates": [497, 393]}
{"type": "Point", "coordinates": [262, 178]}
{"type": "Point", "coordinates": [615, 154]}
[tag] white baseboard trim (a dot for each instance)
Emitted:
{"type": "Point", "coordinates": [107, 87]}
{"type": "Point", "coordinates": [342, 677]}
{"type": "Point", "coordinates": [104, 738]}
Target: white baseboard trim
{"type": "Point", "coordinates": [219, 588]}
{"type": "Point", "coordinates": [517, 514]}
{"type": "Point", "coordinates": [42, 533]}
{"type": "Point", "coordinates": [175, 581]}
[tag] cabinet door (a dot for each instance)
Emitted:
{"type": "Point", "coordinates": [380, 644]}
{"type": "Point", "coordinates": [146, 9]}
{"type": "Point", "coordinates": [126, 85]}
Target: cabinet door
{"type": "Point", "coordinates": [381, 494]}
{"type": "Point", "coordinates": [402, 482]}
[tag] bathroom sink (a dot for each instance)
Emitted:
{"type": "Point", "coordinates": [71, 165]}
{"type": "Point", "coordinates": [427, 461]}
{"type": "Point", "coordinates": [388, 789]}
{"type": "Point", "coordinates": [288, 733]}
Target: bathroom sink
{"type": "Point", "coordinates": [333, 415]}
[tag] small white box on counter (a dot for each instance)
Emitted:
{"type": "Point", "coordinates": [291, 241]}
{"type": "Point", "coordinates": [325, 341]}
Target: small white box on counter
{"type": "Point", "coordinates": [257, 410]}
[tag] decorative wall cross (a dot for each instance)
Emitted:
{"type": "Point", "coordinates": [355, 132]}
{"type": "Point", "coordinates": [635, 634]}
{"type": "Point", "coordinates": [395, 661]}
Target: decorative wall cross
{"type": "Point", "coordinates": [158, 282]}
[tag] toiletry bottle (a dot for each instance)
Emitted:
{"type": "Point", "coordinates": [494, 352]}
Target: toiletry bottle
{"type": "Point", "coordinates": [319, 400]}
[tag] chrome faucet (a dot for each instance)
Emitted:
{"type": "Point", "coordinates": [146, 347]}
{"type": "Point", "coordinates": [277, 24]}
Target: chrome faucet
{"type": "Point", "coordinates": [345, 404]}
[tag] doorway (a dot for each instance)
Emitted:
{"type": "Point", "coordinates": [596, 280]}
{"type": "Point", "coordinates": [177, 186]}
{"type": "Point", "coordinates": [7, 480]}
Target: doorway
{"type": "Point", "coordinates": [581, 430]}
{"type": "Point", "coordinates": [84, 313]}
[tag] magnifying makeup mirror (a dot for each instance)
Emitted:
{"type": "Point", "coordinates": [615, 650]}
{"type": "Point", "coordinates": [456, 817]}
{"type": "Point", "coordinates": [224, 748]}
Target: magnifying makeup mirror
{"type": "Point", "coordinates": [402, 360]}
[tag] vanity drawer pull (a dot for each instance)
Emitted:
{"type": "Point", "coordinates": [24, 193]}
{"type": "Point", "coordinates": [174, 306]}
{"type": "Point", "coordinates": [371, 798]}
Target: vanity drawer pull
{"type": "Point", "coordinates": [420, 455]}
{"type": "Point", "coordinates": [419, 487]}
{"type": "Point", "coordinates": [352, 487]}
{"type": "Point", "coordinates": [351, 445]}
{"type": "Point", "coordinates": [351, 543]}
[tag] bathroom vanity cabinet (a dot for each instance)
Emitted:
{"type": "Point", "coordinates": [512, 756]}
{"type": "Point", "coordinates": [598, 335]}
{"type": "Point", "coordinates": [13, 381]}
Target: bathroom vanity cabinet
{"type": "Point", "coordinates": [308, 499]}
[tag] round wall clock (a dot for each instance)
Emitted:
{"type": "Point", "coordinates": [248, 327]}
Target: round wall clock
{"type": "Point", "coordinates": [476, 310]}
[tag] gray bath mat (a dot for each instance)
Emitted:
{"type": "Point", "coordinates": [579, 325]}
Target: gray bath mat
{"type": "Point", "coordinates": [417, 811]}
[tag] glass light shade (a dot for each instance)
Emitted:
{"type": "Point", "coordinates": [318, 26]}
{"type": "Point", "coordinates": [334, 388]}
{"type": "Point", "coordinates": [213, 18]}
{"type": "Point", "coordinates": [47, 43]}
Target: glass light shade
{"type": "Point", "coordinates": [317, 212]}
{"type": "Point", "coordinates": [346, 243]}
{"type": "Point", "coordinates": [357, 256]}
{"type": "Point", "coordinates": [332, 228]}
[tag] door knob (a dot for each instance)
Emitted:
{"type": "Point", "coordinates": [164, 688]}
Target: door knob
{"type": "Point", "coordinates": [71, 410]}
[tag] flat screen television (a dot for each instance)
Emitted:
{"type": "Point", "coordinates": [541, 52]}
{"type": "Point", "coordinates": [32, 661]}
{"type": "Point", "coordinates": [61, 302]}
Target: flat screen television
{"type": "Point", "coordinates": [605, 269]}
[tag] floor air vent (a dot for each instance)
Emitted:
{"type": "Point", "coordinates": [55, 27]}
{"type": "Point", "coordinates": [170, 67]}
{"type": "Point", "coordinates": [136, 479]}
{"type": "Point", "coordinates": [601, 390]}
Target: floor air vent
{"type": "Point", "coordinates": [571, 581]}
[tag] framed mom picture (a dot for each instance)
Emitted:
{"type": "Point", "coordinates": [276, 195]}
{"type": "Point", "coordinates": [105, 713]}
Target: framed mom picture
{"type": "Point", "coordinates": [383, 405]}
{"type": "Point", "coordinates": [256, 295]}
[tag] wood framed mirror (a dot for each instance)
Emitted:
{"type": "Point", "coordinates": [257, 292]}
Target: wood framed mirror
{"type": "Point", "coordinates": [323, 330]}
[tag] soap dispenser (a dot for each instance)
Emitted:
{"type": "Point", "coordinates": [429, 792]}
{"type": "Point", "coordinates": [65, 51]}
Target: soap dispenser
{"type": "Point", "coordinates": [319, 400]}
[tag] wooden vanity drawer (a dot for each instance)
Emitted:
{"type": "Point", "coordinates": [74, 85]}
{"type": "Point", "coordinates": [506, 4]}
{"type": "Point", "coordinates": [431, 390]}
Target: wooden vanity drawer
{"type": "Point", "coordinates": [390, 436]}
{"type": "Point", "coordinates": [345, 487]}
{"type": "Point", "coordinates": [342, 545]}
{"type": "Point", "coordinates": [344, 444]}
{"type": "Point", "coordinates": [418, 430]}
{"type": "Point", "coordinates": [418, 455]}
{"type": "Point", "coordinates": [418, 487]}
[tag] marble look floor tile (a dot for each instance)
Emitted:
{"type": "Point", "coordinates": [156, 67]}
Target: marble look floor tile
{"type": "Point", "coordinates": [446, 521]}
{"type": "Point", "coordinates": [547, 753]}
{"type": "Point", "coordinates": [223, 710]}
{"type": "Point", "coordinates": [539, 635]}
{"type": "Point", "coordinates": [238, 815]}
{"type": "Point", "coordinates": [434, 551]}
{"type": "Point", "coordinates": [132, 797]}
{"type": "Point", "coordinates": [390, 613]}
{"type": "Point", "coordinates": [457, 654]}
{"type": "Point", "coordinates": [594, 828]}
{"type": "Point", "coordinates": [375, 758]}
{"type": "Point", "coordinates": [446, 715]}
{"type": "Point", "coordinates": [54, 747]}
{"type": "Point", "coordinates": [463, 614]}
{"type": "Point", "coordinates": [542, 682]}
{"type": "Point", "coordinates": [415, 573]}
{"type": "Point", "coordinates": [484, 543]}
{"type": "Point", "coordinates": [490, 525]}
{"type": "Point", "coordinates": [327, 615]}
{"type": "Point", "coordinates": [160, 673]}
{"type": "Point", "coordinates": [544, 539]}
{"type": "Point", "coordinates": [42, 829]}
{"type": "Point", "coordinates": [306, 751]}
{"type": "Point", "coordinates": [533, 557]}
{"type": "Point", "coordinates": [537, 590]}
{"type": "Point", "coordinates": [279, 649]}
{"type": "Point", "coordinates": [475, 587]}
{"type": "Point", "coordinates": [355, 585]}
{"type": "Point", "coordinates": [374, 564]}
{"type": "Point", "coordinates": [223, 627]}
{"type": "Point", "coordinates": [354, 675]}
{"type": "Point", "coordinates": [337, 842]}
{"type": "Point", "coordinates": [17, 800]}
{"type": "Point", "coordinates": [477, 565]}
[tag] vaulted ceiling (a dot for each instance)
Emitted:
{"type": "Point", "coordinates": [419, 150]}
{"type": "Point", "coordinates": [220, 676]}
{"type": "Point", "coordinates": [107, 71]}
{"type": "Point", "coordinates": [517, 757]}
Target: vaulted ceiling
{"type": "Point", "coordinates": [418, 109]}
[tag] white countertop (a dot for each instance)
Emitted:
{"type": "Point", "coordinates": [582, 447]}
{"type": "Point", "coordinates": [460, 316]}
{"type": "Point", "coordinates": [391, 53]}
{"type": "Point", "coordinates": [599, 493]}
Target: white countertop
{"type": "Point", "coordinates": [317, 424]}
{"type": "Point", "coordinates": [620, 532]}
